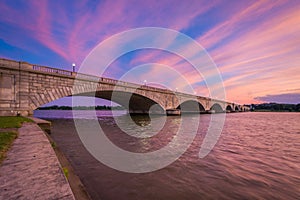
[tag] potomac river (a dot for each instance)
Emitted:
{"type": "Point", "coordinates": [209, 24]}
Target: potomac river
{"type": "Point", "coordinates": [256, 157]}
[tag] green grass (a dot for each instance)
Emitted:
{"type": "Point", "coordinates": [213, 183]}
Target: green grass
{"type": "Point", "coordinates": [13, 122]}
{"type": "Point", "coordinates": [53, 144]}
{"type": "Point", "coordinates": [66, 172]}
{"type": "Point", "coordinates": [6, 139]}
{"type": "Point", "coordinates": [6, 136]}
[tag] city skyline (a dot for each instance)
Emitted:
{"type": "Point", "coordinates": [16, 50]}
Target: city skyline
{"type": "Point", "coordinates": [254, 44]}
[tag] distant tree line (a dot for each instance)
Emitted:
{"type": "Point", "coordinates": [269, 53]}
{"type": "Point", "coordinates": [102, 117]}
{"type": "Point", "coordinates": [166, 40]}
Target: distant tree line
{"type": "Point", "coordinates": [104, 107]}
{"type": "Point", "coordinates": [276, 107]}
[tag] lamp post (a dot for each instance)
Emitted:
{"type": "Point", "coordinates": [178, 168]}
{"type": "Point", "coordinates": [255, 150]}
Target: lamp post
{"type": "Point", "coordinates": [145, 82]}
{"type": "Point", "coordinates": [176, 89]}
{"type": "Point", "coordinates": [73, 65]}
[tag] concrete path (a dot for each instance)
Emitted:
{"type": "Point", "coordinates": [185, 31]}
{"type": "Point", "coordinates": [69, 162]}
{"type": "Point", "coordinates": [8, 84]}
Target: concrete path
{"type": "Point", "coordinates": [31, 169]}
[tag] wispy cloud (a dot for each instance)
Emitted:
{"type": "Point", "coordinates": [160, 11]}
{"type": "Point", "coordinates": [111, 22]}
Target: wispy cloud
{"type": "Point", "coordinates": [260, 59]}
{"type": "Point", "coordinates": [255, 44]}
{"type": "Point", "coordinates": [263, 60]}
{"type": "Point", "coordinates": [72, 30]}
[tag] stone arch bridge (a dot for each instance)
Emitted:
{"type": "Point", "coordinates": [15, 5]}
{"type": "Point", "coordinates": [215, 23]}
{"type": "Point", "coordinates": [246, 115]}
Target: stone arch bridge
{"type": "Point", "coordinates": [25, 87]}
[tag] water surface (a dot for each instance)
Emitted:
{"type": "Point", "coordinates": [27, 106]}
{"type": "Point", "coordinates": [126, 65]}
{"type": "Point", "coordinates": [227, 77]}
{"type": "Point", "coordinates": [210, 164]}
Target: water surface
{"type": "Point", "coordinates": [256, 157]}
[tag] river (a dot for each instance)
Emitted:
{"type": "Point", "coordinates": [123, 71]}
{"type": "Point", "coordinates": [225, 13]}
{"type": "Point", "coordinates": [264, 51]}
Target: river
{"type": "Point", "coordinates": [256, 157]}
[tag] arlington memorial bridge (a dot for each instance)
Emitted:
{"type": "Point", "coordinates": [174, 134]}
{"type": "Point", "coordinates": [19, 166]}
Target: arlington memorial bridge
{"type": "Point", "coordinates": [24, 87]}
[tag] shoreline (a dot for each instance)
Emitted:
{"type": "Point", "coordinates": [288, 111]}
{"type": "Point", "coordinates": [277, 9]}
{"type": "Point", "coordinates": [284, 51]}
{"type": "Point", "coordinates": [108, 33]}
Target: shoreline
{"type": "Point", "coordinates": [75, 183]}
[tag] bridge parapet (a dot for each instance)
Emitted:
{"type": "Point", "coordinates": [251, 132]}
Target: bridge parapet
{"type": "Point", "coordinates": [51, 70]}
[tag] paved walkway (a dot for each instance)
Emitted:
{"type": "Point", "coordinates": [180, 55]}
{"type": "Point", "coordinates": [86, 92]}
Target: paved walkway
{"type": "Point", "coordinates": [31, 169]}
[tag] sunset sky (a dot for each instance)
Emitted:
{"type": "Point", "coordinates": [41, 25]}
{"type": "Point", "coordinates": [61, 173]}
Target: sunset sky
{"type": "Point", "coordinates": [254, 44]}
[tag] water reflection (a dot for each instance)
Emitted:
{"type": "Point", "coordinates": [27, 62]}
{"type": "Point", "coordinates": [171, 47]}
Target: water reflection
{"type": "Point", "coordinates": [141, 126]}
{"type": "Point", "coordinates": [141, 120]}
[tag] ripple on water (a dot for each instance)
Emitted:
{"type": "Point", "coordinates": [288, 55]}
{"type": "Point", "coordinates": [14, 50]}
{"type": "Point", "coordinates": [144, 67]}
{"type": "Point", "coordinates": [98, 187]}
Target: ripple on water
{"type": "Point", "coordinates": [257, 157]}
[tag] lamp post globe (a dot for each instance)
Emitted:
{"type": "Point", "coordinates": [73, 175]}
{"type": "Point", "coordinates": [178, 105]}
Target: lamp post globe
{"type": "Point", "coordinates": [73, 65]}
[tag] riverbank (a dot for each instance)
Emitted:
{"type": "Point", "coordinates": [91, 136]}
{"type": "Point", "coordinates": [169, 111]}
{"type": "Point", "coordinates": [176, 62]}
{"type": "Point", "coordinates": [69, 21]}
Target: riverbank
{"type": "Point", "coordinates": [76, 185]}
{"type": "Point", "coordinates": [31, 169]}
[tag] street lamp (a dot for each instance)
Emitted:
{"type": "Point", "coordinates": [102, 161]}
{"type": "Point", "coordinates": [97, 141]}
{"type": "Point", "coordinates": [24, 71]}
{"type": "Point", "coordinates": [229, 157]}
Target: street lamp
{"type": "Point", "coordinates": [73, 65]}
{"type": "Point", "coordinates": [145, 82]}
{"type": "Point", "coordinates": [176, 89]}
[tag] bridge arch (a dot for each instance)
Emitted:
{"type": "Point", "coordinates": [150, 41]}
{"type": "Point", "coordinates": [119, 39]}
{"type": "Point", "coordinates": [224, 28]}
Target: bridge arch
{"type": "Point", "coordinates": [217, 108]}
{"type": "Point", "coordinates": [133, 102]}
{"type": "Point", "coordinates": [237, 108]}
{"type": "Point", "coordinates": [48, 95]}
{"type": "Point", "coordinates": [229, 108]}
{"type": "Point", "coordinates": [191, 106]}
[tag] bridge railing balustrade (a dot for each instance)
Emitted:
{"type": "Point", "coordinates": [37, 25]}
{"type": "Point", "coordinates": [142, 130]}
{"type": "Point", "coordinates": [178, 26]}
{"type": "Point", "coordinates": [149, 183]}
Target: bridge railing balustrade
{"type": "Point", "coordinates": [93, 78]}
{"type": "Point", "coordinates": [88, 77]}
{"type": "Point", "coordinates": [51, 70]}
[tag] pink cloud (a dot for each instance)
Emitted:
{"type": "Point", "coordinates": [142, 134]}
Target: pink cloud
{"type": "Point", "coordinates": [67, 33]}
{"type": "Point", "coordinates": [259, 59]}
{"type": "Point", "coordinates": [265, 58]}
{"type": "Point", "coordinates": [229, 26]}
{"type": "Point", "coordinates": [35, 23]}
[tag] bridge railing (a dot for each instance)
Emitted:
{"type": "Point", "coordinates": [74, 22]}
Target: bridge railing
{"type": "Point", "coordinates": [86, 76]}
{"type": "Point", "coordinates": [51, 70]}
{"type": "Point", "coordinates": [128, 84]}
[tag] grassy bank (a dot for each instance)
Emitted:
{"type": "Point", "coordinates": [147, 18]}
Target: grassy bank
{"type": "Point", "coordinates": [13, 122]}
{"type": "Point", "coordinates": [8, 132]}
{"type": "Point", "coordinates": [6, 139]}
